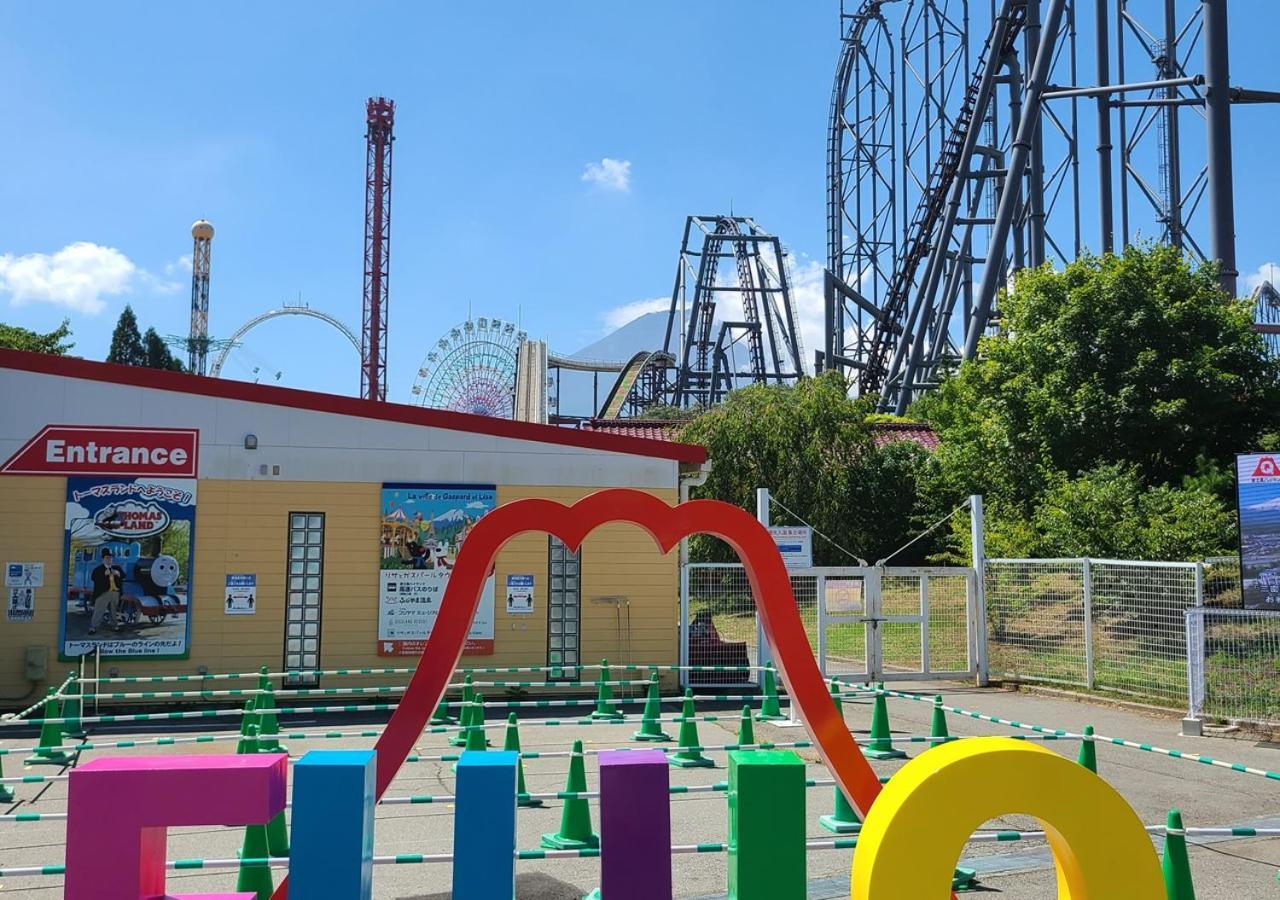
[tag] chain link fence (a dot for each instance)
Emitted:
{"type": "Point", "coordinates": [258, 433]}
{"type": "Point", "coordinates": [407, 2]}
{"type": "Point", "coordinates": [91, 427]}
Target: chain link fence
{"type": "Point", "coordinates": [1235, 664]}
{"type": "Point", "coordinates": [1115, 626]}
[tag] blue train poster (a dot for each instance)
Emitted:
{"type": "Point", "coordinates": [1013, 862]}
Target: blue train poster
{"type": "Point", "coordinates": [1258, 499]}
{"type": "Point", "coordinates": [148, 526]}
{"type": "Point", "coordinates": [422, 528]}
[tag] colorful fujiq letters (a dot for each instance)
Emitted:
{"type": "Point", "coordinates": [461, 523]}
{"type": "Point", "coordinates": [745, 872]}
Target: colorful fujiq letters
{"type": "Point", "coordinates": [913, 833]}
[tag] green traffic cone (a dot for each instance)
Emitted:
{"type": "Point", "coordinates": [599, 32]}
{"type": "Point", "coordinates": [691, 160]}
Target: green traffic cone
{"type": "Point", "coordinates": [49, 751]}
{"type": "Point", "coordinates": [844, 818]}
{"type": "Point", "coordinates": [278, 835]}
{"type": "Point", "coordinates": [71, 709]}
{"type": "Point", "coordinates": [459, 738]}
{"type": "Point", "coordinates": [268, 724]}
{"type": "Point", "coordinates": [605, 709]}
{"type": "Point", "coordinates": [1089, 754]}
{"type": "Point", "coordinates": [689, 756]}
{"type": "Point", "coordinates": [6, 792]}
{"type": "Point", "coordinates": [651, 721]}
{"type": "Point", "coordinates": [248, 719]}
{"type": "Point", "coordinates": [512, 742]}
{"type": "Point", "coordinates": [938, 724]}
{"type": "Point", "coordinates": [881, 746]}
{"type": "Point", "coordinates": [441, 715]}
{"type": "Point", "coordinates": [1174, 864]}
{"type": "Point", "coordinates": [769, 708]}
{"type": "Point", "coordinates": [746, 731]}
{"type": "Point", "coordinates": [255, 877]}
{"type": "Point", "coordinates": [575, 819]}
{"type": "Point", "coordinates": [476, 739]}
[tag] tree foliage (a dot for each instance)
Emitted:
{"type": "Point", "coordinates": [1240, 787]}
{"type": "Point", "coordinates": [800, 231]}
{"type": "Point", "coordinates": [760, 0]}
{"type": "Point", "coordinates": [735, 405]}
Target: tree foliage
{"type": "Point", "coordinates": [812, 446]}
{"type": "Point", "coordinates": [53, 342]}
{"type": "Point", "coordinates": [158, 354]}
{"type": "Point", "coordinates": [126, 341]}
{"type": "Point", "coordinates": [1103, 416]}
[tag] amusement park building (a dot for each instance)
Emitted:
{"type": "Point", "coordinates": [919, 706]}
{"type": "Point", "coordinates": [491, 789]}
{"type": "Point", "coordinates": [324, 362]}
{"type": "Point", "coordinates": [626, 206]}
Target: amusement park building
{"type": "Point", "coordinates": [302, 502]}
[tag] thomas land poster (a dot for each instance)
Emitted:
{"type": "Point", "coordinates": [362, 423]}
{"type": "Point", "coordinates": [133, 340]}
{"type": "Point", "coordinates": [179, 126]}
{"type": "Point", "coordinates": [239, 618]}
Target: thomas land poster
{"type": "Point", "coordinates": [1258, 497]}
{"type": "Point", "coordinates": [148, 526]}
{"type": "Point", "coordinates": [422, 527]}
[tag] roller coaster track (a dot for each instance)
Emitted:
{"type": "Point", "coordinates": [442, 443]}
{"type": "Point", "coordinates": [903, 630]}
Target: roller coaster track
{"type": "Point", "coordinates": [285, 310]}
{"type": "Point", "coordinates": [933, 200]}
{"type": "Point", "coordinates": [630, 375]}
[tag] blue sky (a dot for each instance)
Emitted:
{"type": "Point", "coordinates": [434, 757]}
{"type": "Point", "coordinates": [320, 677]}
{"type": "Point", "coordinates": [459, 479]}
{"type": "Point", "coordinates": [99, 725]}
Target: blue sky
{"type": "Point", "coordinates": [128, 120]}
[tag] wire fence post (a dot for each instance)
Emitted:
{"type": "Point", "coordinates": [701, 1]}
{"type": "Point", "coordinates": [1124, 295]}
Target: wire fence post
{"type": "Point", "coordinates": [1191, 725]}
{"type": "Point", "coordinates": [683, 631]}
{"type": "Point", "coordinates": [763, 653]}
{"type": "Point", "coordinates": [1086, 578]}
{"type": "Point", "coordinates": [978, 544]}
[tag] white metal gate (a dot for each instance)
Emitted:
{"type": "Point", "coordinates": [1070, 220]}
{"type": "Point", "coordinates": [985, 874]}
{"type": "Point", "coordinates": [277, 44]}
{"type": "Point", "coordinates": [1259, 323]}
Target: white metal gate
{"type": "Point", "coordinates": [873, 623]}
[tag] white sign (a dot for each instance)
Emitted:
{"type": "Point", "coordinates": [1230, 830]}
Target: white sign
{"type": "Point", "coordinates": [22, 604]}
{"type": "Point", "coordinates": [242, 594]}
{"type": "Point", "coordinates": [24, 575]}
{"type": "Point", "coordinates": [519, 594]}
{"type": "Point", "coordinates": [795, 543]}
{"type": "Point", "coordinates": [409, 601]}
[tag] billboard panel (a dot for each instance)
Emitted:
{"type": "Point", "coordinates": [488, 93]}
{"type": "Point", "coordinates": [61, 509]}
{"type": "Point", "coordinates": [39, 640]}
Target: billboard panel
{"type": "Point", "coordinates": [422, 528]}
{"type": "Point", "coordinates": [1258, 499]}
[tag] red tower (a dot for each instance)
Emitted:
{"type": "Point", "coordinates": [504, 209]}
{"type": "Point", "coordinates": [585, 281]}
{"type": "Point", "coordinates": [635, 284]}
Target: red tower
{"type": "Point", "coordinates": [380, 117]}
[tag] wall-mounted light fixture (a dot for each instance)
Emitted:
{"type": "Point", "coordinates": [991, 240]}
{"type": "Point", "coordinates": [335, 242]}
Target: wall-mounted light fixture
{"type": "Point", "coordinates": [251, 442]}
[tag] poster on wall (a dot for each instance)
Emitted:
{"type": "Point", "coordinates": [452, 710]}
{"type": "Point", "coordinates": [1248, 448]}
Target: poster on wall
{"type": "Point", "coordinates": [145, 527]}
{"type": "Point", "coordinates": [24, 575]}
{"type": "Point", "coordinates": [795, 544]}
{"type": "Point", "coordinates": [22, 604]}
{"type": "Point", "coordinates": [519, 594]}
{"type": "Point", "coordinates": [242, 593]}
{"type": "Point", "coordinates": [1258, 501]}
{"type": "Point", "coordinates": [422, 528]}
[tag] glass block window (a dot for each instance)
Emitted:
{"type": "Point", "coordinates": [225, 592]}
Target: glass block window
{"type": "Point", "coordinates": [564, 610]}
{"type": "Point", "coordinates": [304, 592]}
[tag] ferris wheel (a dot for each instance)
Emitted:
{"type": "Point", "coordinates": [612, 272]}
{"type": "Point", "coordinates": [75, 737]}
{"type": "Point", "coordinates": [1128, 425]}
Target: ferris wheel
{"type": "Point", "coordinates": [471, 369]}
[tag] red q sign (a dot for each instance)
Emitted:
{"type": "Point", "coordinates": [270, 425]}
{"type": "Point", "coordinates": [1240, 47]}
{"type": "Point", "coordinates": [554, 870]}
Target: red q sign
{"type": "Point", "coordinates": [770, 585]}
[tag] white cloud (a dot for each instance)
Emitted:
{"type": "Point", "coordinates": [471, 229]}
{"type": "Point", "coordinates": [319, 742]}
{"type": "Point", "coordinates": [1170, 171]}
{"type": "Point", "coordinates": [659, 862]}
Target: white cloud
{"type": "Point", "coordinates": [620, 315]}
{"type": "Point", "coordinates": [1251, 281]}
{"type": "Point", "coordinates": [609, 174]}
{"type": "Point", "coordinates": [78, 276]}
{"type": "Point", "coordinates": [180, 266]}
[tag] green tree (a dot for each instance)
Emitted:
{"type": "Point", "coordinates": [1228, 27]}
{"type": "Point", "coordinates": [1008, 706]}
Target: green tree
{"type": "Point", "coordinates": [53, 342]}
{"type": "Point", "coordinates": [158, 354]}
{"type": "Point", "coordinates": [1136, 359]}
{"type": "Point", "coordinates": [812, 446]}
{"type": "Point", "coordinates": [126, 341]}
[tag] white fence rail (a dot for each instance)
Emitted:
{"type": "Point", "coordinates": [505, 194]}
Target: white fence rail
{"type": "Point", "coordinates": [1099, 624]}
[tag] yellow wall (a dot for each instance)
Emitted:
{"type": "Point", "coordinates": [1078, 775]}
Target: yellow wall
{"type": "Point", "coordinates": [241, 527]}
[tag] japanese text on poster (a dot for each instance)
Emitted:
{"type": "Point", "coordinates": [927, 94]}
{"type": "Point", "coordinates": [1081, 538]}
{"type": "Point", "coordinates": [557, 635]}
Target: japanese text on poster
{"type": "Point", "coordinates": [1258, 496]}
{"type": "Point", "coordinates": [242, 594]}
{"type": "Point", "coordinates": [519, 594]}
{"type": "Point", "coordinates": [422, 528]}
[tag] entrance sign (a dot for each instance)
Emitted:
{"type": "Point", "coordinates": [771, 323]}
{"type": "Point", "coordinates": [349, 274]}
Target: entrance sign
{"type": "Point", "coordinates": [242, 594]}
{"type": "Point", "coordinates": [519, 594]}
{"type": "Point", "coordinates": [106, 450]}
{"type": "Point", "coordinates": [148, 526]}
{"type": "Point", "coordinates": [1258, 501]}
{"type": "Point", "coordinates": [423, 527]}
{"type": "Point", "coordinates": [795, 543]}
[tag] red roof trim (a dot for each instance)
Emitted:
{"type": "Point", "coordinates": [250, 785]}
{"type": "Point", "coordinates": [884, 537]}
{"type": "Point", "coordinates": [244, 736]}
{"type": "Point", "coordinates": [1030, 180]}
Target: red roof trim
{"type": "Point", "coordinates": [182, 383]}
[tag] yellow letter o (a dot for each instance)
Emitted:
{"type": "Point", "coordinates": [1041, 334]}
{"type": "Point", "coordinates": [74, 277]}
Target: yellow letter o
{"type": "Point", "coordinates": [918, 826]}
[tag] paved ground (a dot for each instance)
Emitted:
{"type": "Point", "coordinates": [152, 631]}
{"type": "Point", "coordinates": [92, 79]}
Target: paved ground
{"type": "Point", "coordinates": [1238, 869]}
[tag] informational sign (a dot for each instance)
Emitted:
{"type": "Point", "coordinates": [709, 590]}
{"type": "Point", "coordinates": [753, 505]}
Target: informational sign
{"type": "Point", "coordinates": [24, 574]}
{"type": "Point", "coordinates": [795, 543]}
{"type": "Point", "coordinates": [519, 594]}
{"type": "Point", "coordinates": [106, 450]}
{"type": "Point", "coordinates": [1258, 500]}
{"type": "Point", "coordinates": [21, 606]}
{"type": "Point", "coordinates": [843, 595]}
{"type": "Point", "coordinates": [242, 594]}
{"type": "Point", "coordinates": [147, 526]}
{"type": "Point", "coordinates": [422, 528]}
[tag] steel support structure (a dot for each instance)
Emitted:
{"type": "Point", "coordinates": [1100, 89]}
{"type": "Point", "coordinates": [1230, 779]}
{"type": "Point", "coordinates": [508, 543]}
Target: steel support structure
{"type": "Point", "coordinates": [198, 337]}
{"type": "Point", "coordinates": [706, 345]}
{"type": "Point", "coordinates": [936, 194]}
{"type": "Point", "coordinates": [379, 120]}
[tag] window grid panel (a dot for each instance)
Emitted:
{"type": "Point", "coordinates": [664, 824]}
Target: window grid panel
{"type": "Point", "coordinates": [563, 608]}
{"type": "Point", "coordinates": [303, 602]}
